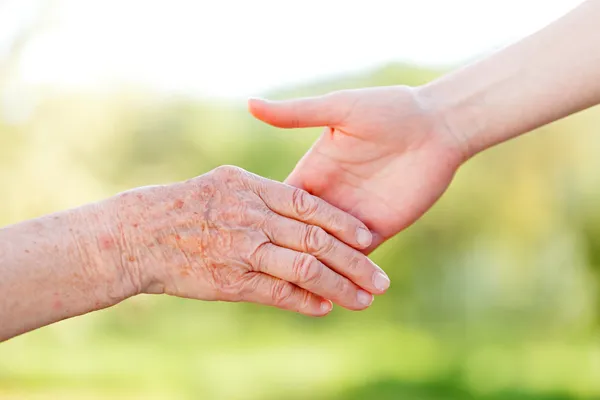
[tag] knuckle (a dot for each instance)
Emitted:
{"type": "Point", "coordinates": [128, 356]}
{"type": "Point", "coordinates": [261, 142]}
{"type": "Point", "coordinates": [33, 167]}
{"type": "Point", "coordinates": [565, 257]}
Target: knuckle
{"type": "Point", "coordinates": [281, 292]}
{"type": "Point", "coordinates": [355, 264]}
{"type": "Point", "coordinates": [227, 171]}
{"type": "Point", "coordinates": [342, 285]}
{"type": "Point", "coordinates": [317, 241]}
{"type": "Point", "coordinates": [307, 269]}
{"type": "Point", "coordinates": [345, 291]}
{"type": "Point", "coordinates": [304, 204]}
{"type": "Point", "coordinates": [306, 300]}
{"type": "Point", "coordinates": [336, 222]}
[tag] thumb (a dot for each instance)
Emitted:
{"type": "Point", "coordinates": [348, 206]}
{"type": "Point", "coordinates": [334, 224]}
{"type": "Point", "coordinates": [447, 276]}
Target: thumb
{"type": "Point", "coordinates": [325, 110]}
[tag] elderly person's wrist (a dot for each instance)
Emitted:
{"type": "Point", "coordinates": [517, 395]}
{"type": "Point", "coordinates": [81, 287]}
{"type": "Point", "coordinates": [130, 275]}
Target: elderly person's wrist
{"type": "Point", "coordinates": [103, 253]}
{"type": "Point", "coordinates": [134, 237]}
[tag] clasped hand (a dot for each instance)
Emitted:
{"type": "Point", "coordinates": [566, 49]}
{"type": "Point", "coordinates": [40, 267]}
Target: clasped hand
{"type": "Point", "coordinates": [233, 236]}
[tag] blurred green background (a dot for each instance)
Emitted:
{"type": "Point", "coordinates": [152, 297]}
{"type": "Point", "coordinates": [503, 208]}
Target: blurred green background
{"type": "Point", "coordinates": [494, 292]}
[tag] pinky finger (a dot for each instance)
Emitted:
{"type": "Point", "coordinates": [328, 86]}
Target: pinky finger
{"type": "Point", "coordinates": [278, 293]}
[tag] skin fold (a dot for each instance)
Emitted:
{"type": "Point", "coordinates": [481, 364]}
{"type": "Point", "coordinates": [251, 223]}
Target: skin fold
{"type": "Point", "coordinates": [227, 235]}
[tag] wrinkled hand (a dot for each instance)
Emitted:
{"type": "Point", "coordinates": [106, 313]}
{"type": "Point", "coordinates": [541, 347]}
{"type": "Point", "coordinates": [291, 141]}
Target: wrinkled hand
{"type": "Point", "coordinates": [233, 236]}
{"type": "Point", "coordinates": [384, 158]}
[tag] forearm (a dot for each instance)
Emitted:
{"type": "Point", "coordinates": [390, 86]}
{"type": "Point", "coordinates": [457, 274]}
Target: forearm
{"type": "Point", "coordinates": [58, 266]}
{"type": "Point", "coordinates": [545, 77]}
{"type": "Point", "coordinates": [226, 235]}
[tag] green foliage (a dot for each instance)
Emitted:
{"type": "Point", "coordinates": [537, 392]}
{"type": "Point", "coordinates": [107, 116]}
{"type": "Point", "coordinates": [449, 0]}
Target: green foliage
{"type": "Point", "coordinates": [494, 292]}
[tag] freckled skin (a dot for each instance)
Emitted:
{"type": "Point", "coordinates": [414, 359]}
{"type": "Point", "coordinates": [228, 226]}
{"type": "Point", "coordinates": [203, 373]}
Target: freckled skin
{"type": "Point", "coordinates": [226, 235]}
{"type": "Point", "coordinates": [106, 242]}
{"type": "Point", "coordinates": [204, 243]}
{"type": "Point", "coordinates": [178, 204]}
{"type": "Point", "coordinates": [211, 224]}
{"type": "Point", "coordinates": [186, 270]}
{"type": "Point", "coordinates": [57, 267]}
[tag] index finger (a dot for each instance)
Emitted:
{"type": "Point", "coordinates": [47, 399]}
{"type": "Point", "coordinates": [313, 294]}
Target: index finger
{"type": "Point", "coordinates": [298, 204]}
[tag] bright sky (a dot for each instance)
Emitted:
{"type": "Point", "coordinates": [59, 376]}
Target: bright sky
{"type": "Point", "coordinates": [238, 48]}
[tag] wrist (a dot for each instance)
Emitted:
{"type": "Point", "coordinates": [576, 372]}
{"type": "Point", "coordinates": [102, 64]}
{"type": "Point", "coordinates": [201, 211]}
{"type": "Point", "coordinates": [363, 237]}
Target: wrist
{"type": "Point", "coordinates": [454, 115]}
{"type": "Point", "coordinates": [143, 241]}
{"type": "Point", "coordinates": [97, 234]}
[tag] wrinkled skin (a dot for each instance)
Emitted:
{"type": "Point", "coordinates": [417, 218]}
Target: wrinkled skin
{"type": "Point", "coordinates": [233, 236]}
{"type": "Point", "coordinates": [385, 156]}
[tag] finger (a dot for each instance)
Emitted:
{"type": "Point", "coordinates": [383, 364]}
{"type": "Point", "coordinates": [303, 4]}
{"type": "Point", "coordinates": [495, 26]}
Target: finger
{"type": "Point", "coordinates": [338, 256]}
{"type": "Point", "coordinates": [305, 271]}
{"type": "Point", "coordinates": [271, 291]}
{"type": "Point", "coordinates": [327, 110]}
{"type": "Point", "coordinates": [298, 204]}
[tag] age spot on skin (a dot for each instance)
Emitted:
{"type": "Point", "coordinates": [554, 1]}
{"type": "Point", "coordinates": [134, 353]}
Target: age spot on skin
{"type": "Point", "coordinates": [56, 304]}
{"type": "Point", "coordinates": [106, 242]}
{"type": "Point", "coordinates": [186, 270]}
{"type": "Point", "coordinates": [190, 246]}
{"type": "Point", "coordinates": [178, 204]}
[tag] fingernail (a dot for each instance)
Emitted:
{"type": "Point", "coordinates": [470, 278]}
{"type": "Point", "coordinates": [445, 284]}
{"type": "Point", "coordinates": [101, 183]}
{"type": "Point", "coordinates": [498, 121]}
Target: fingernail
{"type": "Point", "coordinates": [364, 237]}
{"type": "Point", "coordinates": [364, 298]}
{"type": "Point", "coordinates": [381, 281]}
{"type": "Point", "coordinates": [326, 306]}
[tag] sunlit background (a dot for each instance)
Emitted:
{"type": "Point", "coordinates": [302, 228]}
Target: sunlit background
{"type": "Point", "coordinates": [494, 292]}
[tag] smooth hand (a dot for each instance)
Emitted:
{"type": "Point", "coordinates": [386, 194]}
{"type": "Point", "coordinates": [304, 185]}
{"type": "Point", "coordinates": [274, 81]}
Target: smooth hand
{"type": "Point", "coordinates": [233, 236]}
{"type": "Point", "coordinates": [384, 157]}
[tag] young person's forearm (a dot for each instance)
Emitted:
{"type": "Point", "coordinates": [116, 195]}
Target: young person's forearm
{"type": "Point", "coordinates": [545, 77]}
{"type": "Point", "coordinates": [53, 268]}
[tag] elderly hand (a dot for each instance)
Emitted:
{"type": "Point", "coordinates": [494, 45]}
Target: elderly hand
{"type": "Point", "coordinates": [385, 157]}
{"type": "Point", "coordinates": [233, 236]}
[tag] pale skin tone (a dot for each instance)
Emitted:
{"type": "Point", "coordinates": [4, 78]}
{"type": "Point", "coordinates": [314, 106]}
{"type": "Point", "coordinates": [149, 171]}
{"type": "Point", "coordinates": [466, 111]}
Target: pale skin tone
{"type": "Point", "coordinates": [386, 156]}
{"type": "Point", "coordinates": [388, 153]}
{"type": "Point", "coordinates": [227, 235]}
